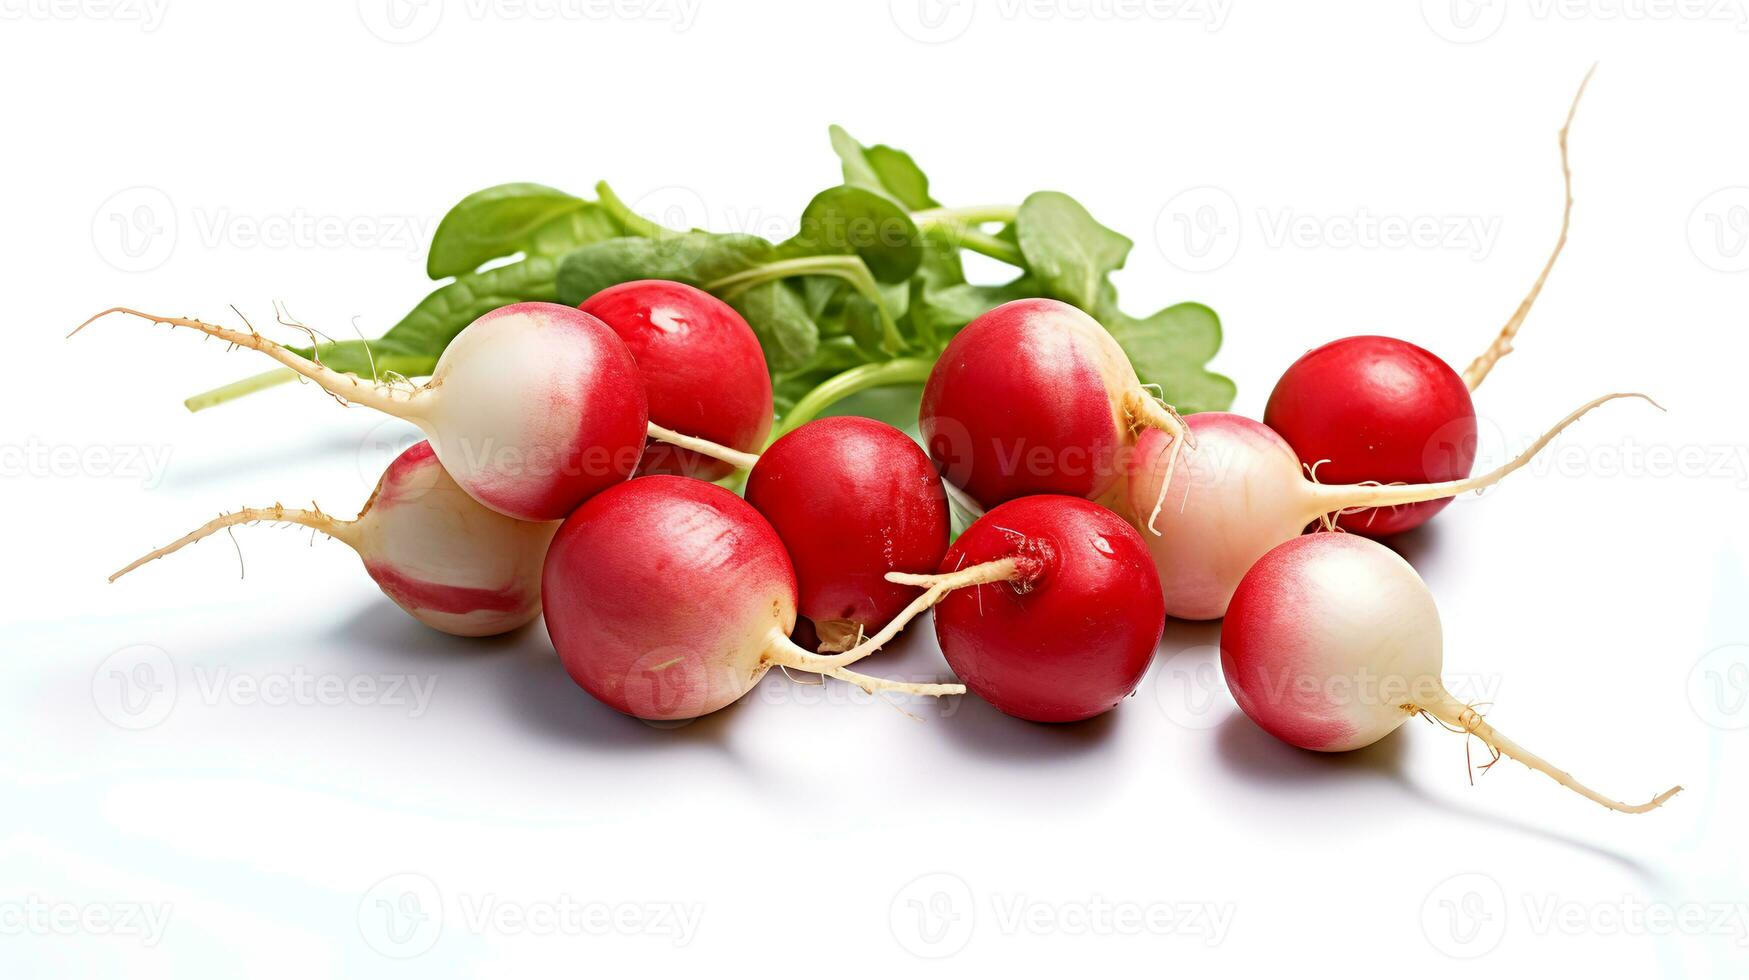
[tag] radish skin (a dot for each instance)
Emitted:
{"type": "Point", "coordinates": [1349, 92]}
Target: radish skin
{"type": "Point", "coordinates": [533, 407]}
{"type": "Point", "coordinates": [1243, 492]}
{"type": "Point", "coordinates": [1035, 397]}
{"type": "Point", "coordinates": [449, 562]}
{"type": "Point", "coordinates": [1048, 607]}
{"type": "Point", "coordinates": [704, 372]}
{"type": "Point", "coordinates": [1332, 642]}
{"type": "Point", "coordinates": [852, 499]}
{"type": "Point", "coordinates": [1378, 409]}
{"type": "Point", "coordinates": [669, 598]}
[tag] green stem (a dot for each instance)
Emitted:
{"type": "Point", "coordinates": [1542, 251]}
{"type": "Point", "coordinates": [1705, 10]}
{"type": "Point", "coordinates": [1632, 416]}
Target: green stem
{"type": "Point", "coordinates": [976, 214]}
{"type": "Point", "coordinates": [634, 222]}
{"type": "Point", "coordinates": [959, 227]}
{"type": "Point", "coordinates": [900, 370]}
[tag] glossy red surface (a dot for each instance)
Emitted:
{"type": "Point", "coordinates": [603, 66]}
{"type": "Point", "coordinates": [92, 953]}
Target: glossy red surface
{"type": "Point", "coordinates": [703, 370]}
{"type": "Point", "coordinates": [1379, 409]}
{"type": "Point", "coordinates": [1072, 638]}
{"type": "Point", "coordinates": [852, 499]}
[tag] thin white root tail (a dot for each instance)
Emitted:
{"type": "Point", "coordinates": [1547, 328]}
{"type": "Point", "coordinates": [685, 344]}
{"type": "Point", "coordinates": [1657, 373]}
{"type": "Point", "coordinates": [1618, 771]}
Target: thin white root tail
{"type": "Point", "coordinates": [1502, 345]}
{"type": "Point", "coordinates": [704, 447]}
{"type": "Point", "coordinates": [315, 519]}
{"type": "Point", "coordinates": [781, 651]}
{"type": "Point", "coordinates": [1335, 497]}
{"type": "Point", "coordinates": [1463, 718]}
{"type": "Point", "coordinates": [1146, 410]}
{"type": "Point", "coordinates": [348, 388]}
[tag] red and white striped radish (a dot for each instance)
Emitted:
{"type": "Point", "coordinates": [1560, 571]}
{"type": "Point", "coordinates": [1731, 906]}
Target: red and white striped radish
{"type": "Point", "coordinates": [1035, 397]}
{"type": "Point", "coordinates": [1377, 409]}
{"type": "Point", "coordinates": [1332, 642]}
{"type": "Point", "coordinates": [533, 408]}
{"type": "Point", "coordinates": [1242, 491]}
{"type": "Point", "coordinates": [704, 372]}
{"type": "Point", "coordinates": [669, 598]}
{"type": "Point", "coordinates": [449, 562]}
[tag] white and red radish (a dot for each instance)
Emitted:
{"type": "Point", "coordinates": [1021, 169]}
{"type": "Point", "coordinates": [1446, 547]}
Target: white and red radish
{"type": "Point", "coordinates": [1332, 642]}
{"type": "Point", "coordinates": [852, 499]}
{"type": "Point", "coordinates": [533, 408]}
{"type": "Point", "coordinates": [449, 562]}
{"type": "Point", "coordinates": [1378, 409]}
{"type": "Point", "coordinates": [704, 373]}
{"type": "Point", "coordinates": [1242, 492]}
{"type": "Point", "coordinates": [1035, 397]}
{"type": "Point", "coordinates": [669, 598]}
{"type": "Point", "coordinates": [1048, 607]}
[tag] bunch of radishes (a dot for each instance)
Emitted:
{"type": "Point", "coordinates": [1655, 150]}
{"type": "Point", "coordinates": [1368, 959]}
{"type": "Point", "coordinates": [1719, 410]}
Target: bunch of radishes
{"type": "Point", "coordinates": [570, 451]}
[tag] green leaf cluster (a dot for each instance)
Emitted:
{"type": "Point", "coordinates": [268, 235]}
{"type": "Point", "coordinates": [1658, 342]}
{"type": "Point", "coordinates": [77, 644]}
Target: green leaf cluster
{"type": "Point", "coordinates": [865, 294]}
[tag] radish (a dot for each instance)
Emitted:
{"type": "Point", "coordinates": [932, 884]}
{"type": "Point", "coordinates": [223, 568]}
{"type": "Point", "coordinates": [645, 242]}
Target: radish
{"type": "Point", "coordinates": [852, 499]}
{"type": "Point", "coordinates": [1048, 607]}
{"type": "Point", "coordinates": [533, 408]}
{"type": "Point", "coordinates": [449, 562]}
{"type": "Point", "coordinates": [669, 598]}
{"type": "Point", "coordinates": [1242, 492]}
{"type": "Point", "coordinates": [704, 373]}
{"type": "Point", "coordinates": [1035, 397]}
{"type": "Point", "coordinates": [1333, 641]}
{"type": "Point", "coordinates": [1380, 409]}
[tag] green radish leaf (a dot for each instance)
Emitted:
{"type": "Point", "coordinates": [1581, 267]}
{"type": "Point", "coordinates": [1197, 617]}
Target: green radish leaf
{"type": "Point", "coordinates": [884, 170]}
{"type": "Point", "coordinates": [529, 218]}
{"type": "Point", "coordinates": [1069, 253]}
{"type": "Point", "coordinates": [1170, 349]}
{"type": "Point", "coordinates": [847, 220]}
{"type": "Point", "coordinates": [780, 320]}
{"type": "Point", "coordinates": [692, 257]}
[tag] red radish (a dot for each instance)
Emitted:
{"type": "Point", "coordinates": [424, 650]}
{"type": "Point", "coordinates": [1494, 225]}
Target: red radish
{"type": "Point", "coordinates": [852, 499]}
{"type": "Point", "coordinates": [1035, 397]}
{"type": "Point", "coordinates": [1054, 609]}
{"type": "Point", "coordinates": [449, 562]}
{"type": "Point", "coordinates": [532, 408]}
{"type": "Point", "coordinates": [704, 373]}
{"type": "Point", "coordinates": [1333, 641]}
{"type": "Point", "coordinates": [1242, 492]}
{"type": "Point", "coordinates": [669, 598]}
{"type": "Point", "coordinates": [1376, 409]}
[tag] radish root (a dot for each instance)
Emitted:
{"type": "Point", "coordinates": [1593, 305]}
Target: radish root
{"type": "Point", "coordinates": [1147, 411]}
{"type": "Point", "coordinates": [1333, 498]}
{"type": "Point", "coordinates": [781, 651]}
{"type": "Point", "coordinates": [1502, 345]}
{"type": "Point", "coordinates": [1461, 717]}
{"type": "Point", "coordinates": [342, 531]}
{"type": "Point", "coordinates": [704, 447]}
{"type": "Point", "coordinates": [348, 388]}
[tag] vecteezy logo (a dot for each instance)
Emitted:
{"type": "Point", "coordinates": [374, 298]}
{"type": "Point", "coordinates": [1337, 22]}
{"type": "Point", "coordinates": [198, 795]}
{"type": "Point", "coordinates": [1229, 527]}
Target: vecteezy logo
{"type": "Point", "coordinates": [1198, 229]}
{"type": "Point", "coordinates": [932, 916]}
{"type": "Point", "coordinates": [1189, 688]}
{"type": "Point", "coordinates": [135, 687]}
{"type": "Point", "coordinates": [1718, 687]}
{"type": "Point", "coordinates": [1718, 230]}
{"type": "Point", "coordinates": [401, 21]}
{"type": "Point", "coordinates": [402, 915]}
{"type": "Point", "coordinates": [1464, 916]}
{"type": "Point", "coordinates": [932, 21]}
{"type": "Point", "coordinates": [1464, 21]}
{"type": "Point", "coordinates": [134, 229]}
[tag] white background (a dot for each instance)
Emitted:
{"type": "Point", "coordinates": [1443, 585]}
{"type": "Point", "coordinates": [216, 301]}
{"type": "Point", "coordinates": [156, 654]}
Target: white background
{"type": "Point", "coordinates": [186, 157]}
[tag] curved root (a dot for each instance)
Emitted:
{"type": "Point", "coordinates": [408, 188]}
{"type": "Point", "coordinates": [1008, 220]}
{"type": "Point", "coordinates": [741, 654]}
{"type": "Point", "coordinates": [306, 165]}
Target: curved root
{"type": "Point", "coordinates": [1502, 345]}
{"type": "Point", "coordinates": [1461, 717]}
